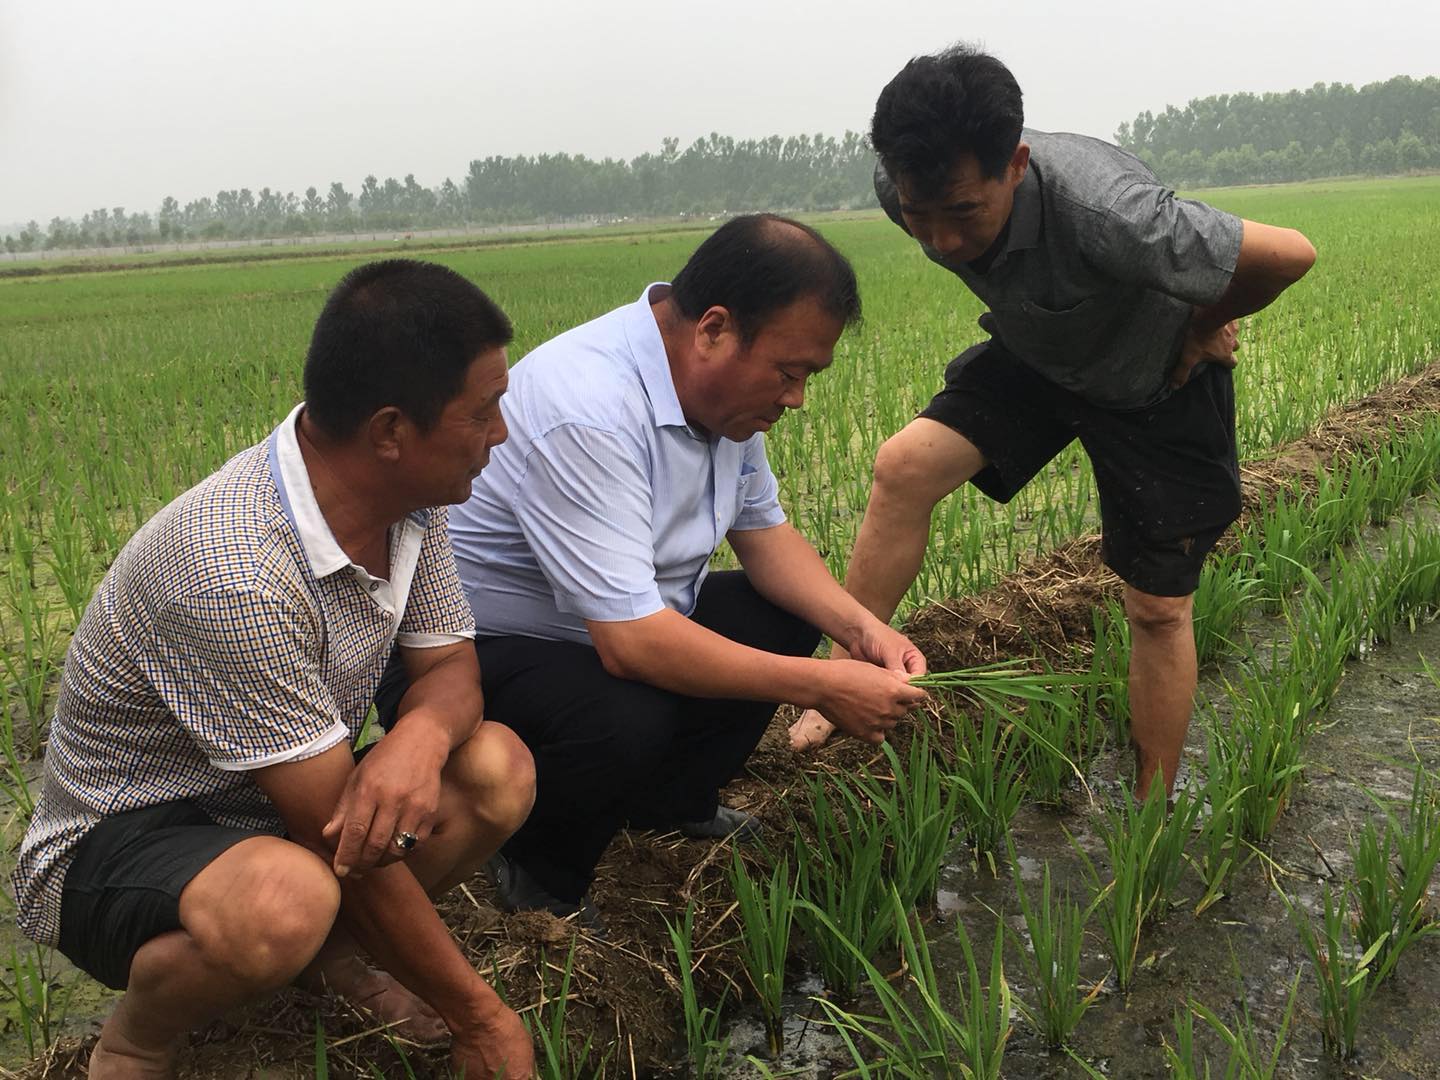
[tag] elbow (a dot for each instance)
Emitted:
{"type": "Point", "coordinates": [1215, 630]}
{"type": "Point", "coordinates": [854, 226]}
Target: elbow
{"type": "Point", "coordinates": [616, 661]}
{"type": "Point", "coordinates": [1303, 256]}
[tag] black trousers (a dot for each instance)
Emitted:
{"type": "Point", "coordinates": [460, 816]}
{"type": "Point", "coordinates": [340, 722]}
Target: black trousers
{"type": "Point", "coordinates": [612, 751]}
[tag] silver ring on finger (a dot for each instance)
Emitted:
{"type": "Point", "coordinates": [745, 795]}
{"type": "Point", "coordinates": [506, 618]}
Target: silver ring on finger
{"type": "Point", "coordinates": [405, 840]}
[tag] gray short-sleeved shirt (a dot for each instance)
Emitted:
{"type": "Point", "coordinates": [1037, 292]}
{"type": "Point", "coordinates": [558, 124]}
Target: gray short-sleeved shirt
{"type": "Point", "coordinates": [1098, 272]}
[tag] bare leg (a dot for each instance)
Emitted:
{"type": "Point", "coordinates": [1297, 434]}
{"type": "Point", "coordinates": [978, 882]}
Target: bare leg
{"type": "Point", "coordinates": [250, 921]}
{"type": "Point", "coordinates": [487, 789]}
{"type": "Point", "coordinates": [1162, 683]}
{"type": "Point", "coordinates": [914, 470]}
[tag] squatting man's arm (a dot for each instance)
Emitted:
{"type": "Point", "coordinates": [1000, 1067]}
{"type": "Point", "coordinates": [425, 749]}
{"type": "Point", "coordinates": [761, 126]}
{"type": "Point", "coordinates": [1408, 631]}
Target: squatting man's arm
{"type": "Point", "coordinates": [385, 903]}
{"type": "Point", "coordinates": [863, 699]}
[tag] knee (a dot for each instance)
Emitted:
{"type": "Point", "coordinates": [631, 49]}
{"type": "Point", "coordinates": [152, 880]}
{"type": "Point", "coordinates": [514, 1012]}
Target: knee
{"type": "Point", "coordinates": [1157, 616]}
{"type": "Point", "coordinates": [276, 917]}
{"type": "Point", "coordinates": [496, 778]}
{"type": "Point", "coordinates": [902, 477]}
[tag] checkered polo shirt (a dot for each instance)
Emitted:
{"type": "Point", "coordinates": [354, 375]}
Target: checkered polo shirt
{"type": "Point", "coordinates": [231, 633]}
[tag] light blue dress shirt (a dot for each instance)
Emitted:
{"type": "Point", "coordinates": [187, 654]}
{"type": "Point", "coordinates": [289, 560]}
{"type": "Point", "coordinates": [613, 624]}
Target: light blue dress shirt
{"type": "Point", "coordinates": [603, 504]}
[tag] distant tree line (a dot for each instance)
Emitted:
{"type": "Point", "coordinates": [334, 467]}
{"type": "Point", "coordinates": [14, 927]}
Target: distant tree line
{"type": "Point", "coordinates": [1328, 130]}
{"type": "Point", "coordinates": [714, 174]}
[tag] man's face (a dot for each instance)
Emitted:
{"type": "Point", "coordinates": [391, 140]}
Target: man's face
{"type": "Point", "coordinates": [960, 221]}
{"type": "Point", "coordinates": [747, 386]}
{"type": "Point", "coordinates": [445, 459]}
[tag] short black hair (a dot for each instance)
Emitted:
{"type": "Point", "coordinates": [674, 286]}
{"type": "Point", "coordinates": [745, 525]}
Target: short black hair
{"type": "Point", "coordinates": [397, 332]}
{"type": "Point", "coordinates": [758, 264]}
{"type": "Point", "coordinates": [939, 108]}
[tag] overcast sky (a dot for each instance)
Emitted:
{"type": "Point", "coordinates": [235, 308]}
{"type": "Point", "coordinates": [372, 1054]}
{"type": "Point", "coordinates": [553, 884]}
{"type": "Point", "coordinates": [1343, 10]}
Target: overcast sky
{"type": "Point", "coordinates": [121, 104]}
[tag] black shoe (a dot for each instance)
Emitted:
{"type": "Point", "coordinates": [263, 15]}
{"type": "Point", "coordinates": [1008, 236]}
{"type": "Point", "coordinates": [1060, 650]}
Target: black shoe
{"type": "Point", "coordinates": [727, 823]}
{"type": "Point", "coordinates": [517, 890]}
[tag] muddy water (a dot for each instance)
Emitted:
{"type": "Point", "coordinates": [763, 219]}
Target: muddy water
{"type": "Point", "coordinates": [1243, 948]}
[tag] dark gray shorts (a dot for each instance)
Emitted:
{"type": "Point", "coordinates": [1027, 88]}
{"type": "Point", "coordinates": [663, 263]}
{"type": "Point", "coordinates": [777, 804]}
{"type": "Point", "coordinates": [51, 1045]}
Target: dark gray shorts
{"type": "Point", "coordinates": [1167, 475]}
{"type": "Point", "coordinates": [123, 886]}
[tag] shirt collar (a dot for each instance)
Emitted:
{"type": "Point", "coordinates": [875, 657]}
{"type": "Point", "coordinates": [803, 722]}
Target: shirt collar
{"type": "Point", "coordinates": [297, 496]}
{"type": "Point", "coordinates": [1026, 213]}
{"type": "Point", "coordinates": [648, 348]}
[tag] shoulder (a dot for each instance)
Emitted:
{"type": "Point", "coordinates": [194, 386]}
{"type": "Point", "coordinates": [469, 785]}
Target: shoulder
{"type": "Point", "coordinates": [1082, 174]}
{"type": "Point", "coordinates": [227, 533]}
{"type": "Point", "coordinates": [587, 376]}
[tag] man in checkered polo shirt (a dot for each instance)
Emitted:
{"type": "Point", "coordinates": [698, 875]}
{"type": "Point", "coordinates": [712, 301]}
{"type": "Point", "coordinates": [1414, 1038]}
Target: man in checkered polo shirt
{"type": "Point", "coordinates": [206, 834]}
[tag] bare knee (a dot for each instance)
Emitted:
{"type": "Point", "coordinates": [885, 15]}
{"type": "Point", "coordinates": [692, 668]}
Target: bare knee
{"type": "Point", "coordinates": [1157, 616]}
{"type": "Point", "coordinates": [495, 776]}
{"type": "Point", "coordinates": [268, 916]}
{"type": "Point", "coordinates": [921, 464]}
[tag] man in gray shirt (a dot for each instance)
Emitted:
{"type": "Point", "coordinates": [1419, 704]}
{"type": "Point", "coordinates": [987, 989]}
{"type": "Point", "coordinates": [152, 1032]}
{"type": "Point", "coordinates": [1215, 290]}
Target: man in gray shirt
{"type": "Point", "coordinates": [1112, 307]}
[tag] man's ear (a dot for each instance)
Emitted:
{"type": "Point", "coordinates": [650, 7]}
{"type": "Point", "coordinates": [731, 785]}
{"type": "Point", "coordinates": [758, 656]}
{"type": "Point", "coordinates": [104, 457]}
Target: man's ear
{"type": "Point", "coordinates": [713, 329]}
{"type": "Point", "coordinates": [1018, 162]}
{"type": "Point", "coordinates": [388, 431]}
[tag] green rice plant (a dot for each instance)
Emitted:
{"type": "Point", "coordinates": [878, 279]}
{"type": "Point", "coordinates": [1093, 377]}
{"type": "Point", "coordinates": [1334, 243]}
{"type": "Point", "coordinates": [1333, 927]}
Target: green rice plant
{"type": "Point", "coordinates": [921, 1031]}
{"type": "Point", "coordinates": [1056, 931]}
{"type": "Point", "coordinates": [1324, 635]}
{"type": "Point", "coordinates": [1392, 871]}
{"type": "Point", "coordinates": [557, 1057]}
{"type": "Point", "coordinates": [767, 911]}
{"type": "Point", "coordinates": [1246, 1058]}
{"type": "Point", "coordinates": [1262, 746]}
{"type": "Point", "coordinates": [14, 783]}
{"type": "Point", "coordinates": [990, 779]}
{"type": "Point", "coordinates": [1344, 970]}
{"type": "Point", "coordinates": [841, 877]}
{"type": "Point", "coordinates": [1111, 668]}
{"type": "Point", "coordinates": [1226, 591]}
{"type": "Point", "coordinates": [1221, 849]}
{"type": "Point", "coordinates": [1145, 853]}
{"type": "Point", "coordinates": [41, 1000]}
{"type": "Point", "coordinates": [1288, 547]}
{"type": "Point", "coordinates": [705, 1047]}
{"type": "Point", "coordinates": [916, 808]}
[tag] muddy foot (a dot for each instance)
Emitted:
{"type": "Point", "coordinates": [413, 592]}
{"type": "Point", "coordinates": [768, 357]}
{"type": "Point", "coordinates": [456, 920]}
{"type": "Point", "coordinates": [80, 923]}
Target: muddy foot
{"type": "Point", "coordinates": [810, 732]}
{"type": "Point", "coordinates": [378, 995]}
{"type": "Point", "coordinates": [116, 1059]}
{"type": "Point", "coordinates": [406, 1014]}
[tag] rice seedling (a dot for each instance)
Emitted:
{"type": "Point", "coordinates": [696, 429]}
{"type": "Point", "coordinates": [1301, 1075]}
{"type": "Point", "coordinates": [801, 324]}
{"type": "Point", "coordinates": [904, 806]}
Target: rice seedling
{"type": "Point", "coordinates": [1055, 928]}
{"type": "Point", "coordinates": [1246, 1058]}
{"type": "Point", "coordinates": [1262, 745]}
{"type": "Point", "coordinates": [921, 1031]}
{"type": "Point", "coordinates": [1392, 871]}
{"type": "Point", "coordinates": [1225, 592]}
{"type": "Point", "coordinates": [1112, 668]}
{"type": "Point", "coordinates": [1344, 970]}
{"type": "Point", "coordinates": [916, 810]}
{"type": "Point", "coordinates": [557, 1057]}
{"type": "Point", "coordinates": [841, 880]}
{"type": "Point", "coordinates": [41, 1000]}
{"type": "Point", "coordinates": [767, 911]}
{"type": "Point", "coordinates": [990, 779]}
{"type": "Point", "coordinates": [704, 1045]}
{"type": "Point", "coordinates": [1221, 825]}
{"type": "Point", "coordinates": [1145, 849]}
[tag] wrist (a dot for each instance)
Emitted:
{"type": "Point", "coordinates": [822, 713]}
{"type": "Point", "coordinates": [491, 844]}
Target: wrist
{"type": "Point", "coordinates": [424, 732]}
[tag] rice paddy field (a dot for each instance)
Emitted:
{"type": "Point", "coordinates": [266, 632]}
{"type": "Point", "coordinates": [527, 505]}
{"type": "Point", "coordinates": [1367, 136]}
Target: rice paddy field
{"type": "Point", "coordinates": [983, 898]}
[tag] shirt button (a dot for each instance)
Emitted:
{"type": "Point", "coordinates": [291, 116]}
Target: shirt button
{"type": "Point", "coordinates": [374, 585]}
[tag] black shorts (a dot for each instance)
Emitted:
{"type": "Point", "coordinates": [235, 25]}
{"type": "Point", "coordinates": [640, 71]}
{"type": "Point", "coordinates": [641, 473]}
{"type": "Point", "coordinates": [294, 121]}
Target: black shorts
{"type": "Point", "coordinates": [123, 886]}
{"type": "Point", "coordinates": [1167, 475]}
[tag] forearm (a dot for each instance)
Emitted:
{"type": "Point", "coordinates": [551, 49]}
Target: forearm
{"type": "Point", "coordinates": [444, 703]}
{"type": "Point", "coordinates": [792, 576]}
{"type": "Point", "coordinates": [677, 654]}
{"type": "Point", "coordinates": [391, 917]}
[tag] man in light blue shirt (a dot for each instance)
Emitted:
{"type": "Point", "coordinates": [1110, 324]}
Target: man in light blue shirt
{"type": "Point", "coordinates": [639, 681]}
